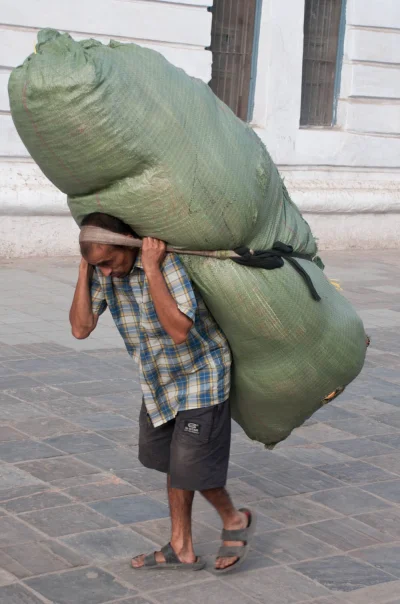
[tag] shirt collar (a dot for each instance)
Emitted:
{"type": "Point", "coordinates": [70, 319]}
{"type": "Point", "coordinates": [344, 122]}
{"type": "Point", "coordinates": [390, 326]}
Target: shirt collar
{"type": "Point", "coordinates": [138, 262]}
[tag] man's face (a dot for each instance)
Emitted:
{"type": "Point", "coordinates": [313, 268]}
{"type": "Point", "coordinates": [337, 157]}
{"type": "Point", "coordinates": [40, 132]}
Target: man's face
{"type": "Point", "coordinates": [113, 261]}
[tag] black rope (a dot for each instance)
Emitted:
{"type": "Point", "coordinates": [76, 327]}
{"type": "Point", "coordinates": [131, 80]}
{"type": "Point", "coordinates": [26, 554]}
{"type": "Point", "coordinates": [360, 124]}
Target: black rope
{"type": "Point", "coordinates": [274, 258]}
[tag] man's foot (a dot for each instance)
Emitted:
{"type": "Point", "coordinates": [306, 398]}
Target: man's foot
{"type": "Point", "coordinates": [241, 522]}
{"type": "Point", "coordinates": [185, 557]}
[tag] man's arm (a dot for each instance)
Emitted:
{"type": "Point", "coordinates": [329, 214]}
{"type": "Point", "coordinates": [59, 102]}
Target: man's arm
{"type": "Point", "coordinates": [175, 322]}
{"type": "Point", "coordinates": [83, 320]}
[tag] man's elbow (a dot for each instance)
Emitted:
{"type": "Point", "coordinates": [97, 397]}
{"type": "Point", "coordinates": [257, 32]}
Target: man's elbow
{"type": "Point", "coordinates": [81, 334]}
{"type": "Point", "coordinates": [181, 336]}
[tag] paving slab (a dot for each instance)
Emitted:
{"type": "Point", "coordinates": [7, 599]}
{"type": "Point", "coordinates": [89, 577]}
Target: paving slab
{"type": "Point", "coordinates": [76, 505]}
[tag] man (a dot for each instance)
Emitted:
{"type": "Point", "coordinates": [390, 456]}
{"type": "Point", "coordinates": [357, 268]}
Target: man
{"type": "Point", "coordinates": [184, 365]}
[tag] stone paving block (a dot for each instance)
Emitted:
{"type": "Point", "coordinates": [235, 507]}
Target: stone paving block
{"type": "Point", "coordinates": [103, 421]}
{"type": "Point", "coordinates": [384, 593]}
{"type": "Point", "coordinates": [44, 348]}
{"type": "Point", "coordinates": [263, 462]}
{"type": "Point", "coordinates": [304, 480]}
{"type": "Point", "coordinates": [295, 511]}
{"type": "Point", "coordinates": [391, 419]}
{"type": "Point", "coordinates": [329, 412]}
{"type": "Point", "coordinates": [55, 469]}
{"type": "Point", "coordinates": [390, 462]}
{"type": "Point", "coordinates": [37, 501]}
{"type": "Point", "coordinates": [33, 365]}
{"type": "Point", "coordinates": [342, 573]}
{"type": "Point", "coordinates": [47, 427]}
{"type": "Point", "coordinates": [64, 484]}
{"type": "Point", "coordinates": [103, 547]}
{"type": "Point", "coordinates": [16, 381]}
{"type": "Point", "coordinates": [36, 558]}
{"type": "Point", "coordinates": [364, 426]}
{"type": "Point", "coordinates": [143, 478]}
{"type": "Point", "coordinates": [6, 578]}
{"type": "Point", "coordinates": [7, 433]}
{"type": "Point", "coordinates": [216, 591]}
{"type": "Point", "coordinates": [62, 378]}
{"type": "Point", "coordinates": [385, 373]}
{"type": "Point", "coordinates": [349, 500]}
{"type": "Point", "coordinates": [291, 545]}
{"type": "Point", "coordinates": [356, 472]}
{"type": "Point", "coordinates": [68, 407]}
{"type": "Point", "coordinates": [366, 405]}
{"type": "Point", "coordinates": [93, 584]}
{"type": "Point", "coordinates": [107, 486]}
{"type": "Point", "coordinates": [99, 387]}
{"type": "Point", "coordinates": [344, 533]}
{"type": "Point", "coordinates": [12, 477]}
{"type": "Point", "coordinates": [15, 411]}
{"type": "Point", "coordinates": [37, 394]}
{"type": "Point", "coordinates": [387, 490]}
{"type": "Point", "coordinates": [159, 531]}
{"type": "Point", "coordinates": [112, 459]}
{"type": "Point", "coordinates": [392, 440]}
{"type": "Point", "coordinates": [235, 471]}
{"type": "Point", "coordinates": [268, 487]}
{"type": "Point", "coordinates": [79, 443]}
{"type": "Point", "coordinates": [276, 585]}
{"type": "Point", "coordinates": [13, 531]}
{"type": "Point", "coordinates": [390, 399]}
{"type": "Point", "coordinates": [123, 436]}
{"type": "Point", "coordinates": [385, 521]}
{"type": "Point", "coordinates": [131, 509]}
{"type": "Point", "coordinates": [361, 447]}
{"type": "Point", "coordinates": [384, 557]}
{"type": "Point", "coordinates": [313, 455]}
{"type": "Point", "coordinates": [67, 520]}
{"type": "Point", "coordinates": [320, 433]}
{"type": "Point", "coordinates": [18, 594]}
{"type": "Point", "coordinates": [25, 450]}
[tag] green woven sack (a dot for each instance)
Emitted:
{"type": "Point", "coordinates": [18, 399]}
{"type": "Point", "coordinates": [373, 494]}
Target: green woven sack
{"type": "Point", "coordinates": [120, 130]}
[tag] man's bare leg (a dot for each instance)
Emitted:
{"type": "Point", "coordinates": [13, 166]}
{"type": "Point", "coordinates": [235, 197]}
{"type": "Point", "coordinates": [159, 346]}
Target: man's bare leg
{"type": "Point", "coordinates": [231, 517]}
{"type": "Point", "coordinates": [180, 507]}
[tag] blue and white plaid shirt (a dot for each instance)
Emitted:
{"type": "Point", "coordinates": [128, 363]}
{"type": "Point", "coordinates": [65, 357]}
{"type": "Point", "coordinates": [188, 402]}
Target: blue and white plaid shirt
{"type": "Point", "coordinates": [173, 377]}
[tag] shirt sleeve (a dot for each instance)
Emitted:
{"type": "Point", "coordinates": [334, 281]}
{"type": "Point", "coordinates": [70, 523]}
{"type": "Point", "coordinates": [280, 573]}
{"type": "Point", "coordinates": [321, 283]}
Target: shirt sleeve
{"type": "Point", "coordinates": [99, 303]}
{"type": "Point", "coordinates": [180, 286]}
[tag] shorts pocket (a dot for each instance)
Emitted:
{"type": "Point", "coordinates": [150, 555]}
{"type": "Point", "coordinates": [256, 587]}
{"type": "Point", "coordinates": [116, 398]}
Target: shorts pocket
{"type": "Point", "coordinates": [194, 427]}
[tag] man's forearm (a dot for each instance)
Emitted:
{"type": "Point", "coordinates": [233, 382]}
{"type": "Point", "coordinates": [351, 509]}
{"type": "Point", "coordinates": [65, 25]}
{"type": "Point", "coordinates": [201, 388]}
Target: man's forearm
{"type": "Point", "coordinates": [175, 323]}
{"type": "Point", "coordinates": [81, 316]}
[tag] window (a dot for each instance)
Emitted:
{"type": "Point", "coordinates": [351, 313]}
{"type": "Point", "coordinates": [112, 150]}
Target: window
{"type": "Point", "coordinates": [323, 30]}
{"type": "Point", "coordinates": [234, 37]}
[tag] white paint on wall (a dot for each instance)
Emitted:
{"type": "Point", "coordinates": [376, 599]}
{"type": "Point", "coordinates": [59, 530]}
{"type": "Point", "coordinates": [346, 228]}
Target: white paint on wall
{"type": "Point", "coordinates": [345, 179]}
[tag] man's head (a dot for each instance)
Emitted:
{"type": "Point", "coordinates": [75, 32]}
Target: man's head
{"type": "Point", "coordinates": [112, 260]}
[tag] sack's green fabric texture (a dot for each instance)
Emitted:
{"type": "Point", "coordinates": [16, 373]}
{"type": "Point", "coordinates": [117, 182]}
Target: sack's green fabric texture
{"type": "Point", "coordinates": [122, 131]}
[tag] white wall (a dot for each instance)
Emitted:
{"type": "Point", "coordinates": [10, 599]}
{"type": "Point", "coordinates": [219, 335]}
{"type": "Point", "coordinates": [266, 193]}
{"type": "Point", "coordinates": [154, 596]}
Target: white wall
{"type": "Point", "coordinates": [345, 179]}
{"type": "Point", "coordinates": [34, 218]}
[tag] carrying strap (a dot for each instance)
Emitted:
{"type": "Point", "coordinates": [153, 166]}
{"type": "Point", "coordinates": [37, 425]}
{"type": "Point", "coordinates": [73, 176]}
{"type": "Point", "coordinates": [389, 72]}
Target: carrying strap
{"type": "Point", "coordinates": [266, 259]}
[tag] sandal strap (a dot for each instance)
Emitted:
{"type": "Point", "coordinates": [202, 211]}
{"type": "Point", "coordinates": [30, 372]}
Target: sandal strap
{"type": "Point", "coordinates": [230, 551]}
{"type": "Point", "coordinates": [169, 555]}
{"type": "Point", "coordinates": [150, 560]}
{"type": "Point", "coordinates": [235, 535]}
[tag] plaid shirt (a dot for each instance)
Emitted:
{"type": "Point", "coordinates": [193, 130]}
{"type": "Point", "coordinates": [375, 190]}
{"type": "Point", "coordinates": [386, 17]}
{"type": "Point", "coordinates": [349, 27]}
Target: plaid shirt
{"type": "Point", "coordinates": [173, 377]}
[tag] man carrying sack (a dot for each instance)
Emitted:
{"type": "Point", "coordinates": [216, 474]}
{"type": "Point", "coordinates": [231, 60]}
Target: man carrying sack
{"type": "Point", "coordinates": [185, 371]}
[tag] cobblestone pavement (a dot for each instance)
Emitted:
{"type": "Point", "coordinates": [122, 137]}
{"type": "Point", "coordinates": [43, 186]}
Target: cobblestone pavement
{"type": "Point", "coordinates": [75, 504]}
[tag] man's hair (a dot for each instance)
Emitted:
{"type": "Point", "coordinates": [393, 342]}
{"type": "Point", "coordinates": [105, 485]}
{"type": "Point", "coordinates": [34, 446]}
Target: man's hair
{"type": "Point", "coordinates": [105, 221]}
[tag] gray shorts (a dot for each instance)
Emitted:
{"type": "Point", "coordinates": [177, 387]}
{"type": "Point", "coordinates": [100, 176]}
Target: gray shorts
{"type": "Point", "coordinates": [193, 448]}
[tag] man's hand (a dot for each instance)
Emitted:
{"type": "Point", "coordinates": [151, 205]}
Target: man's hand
{"type": "Point", "coordinates": [85, 268]}
{"type": "Point", "coordinates": [153, 254]}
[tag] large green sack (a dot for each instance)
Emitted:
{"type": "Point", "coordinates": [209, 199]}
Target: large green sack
{"type": "Point", "coordinates": [120, 130]}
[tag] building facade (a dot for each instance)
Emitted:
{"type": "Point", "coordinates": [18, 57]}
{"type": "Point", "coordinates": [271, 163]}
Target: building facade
{"type": "Point", "coordinates": [329, 113]}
